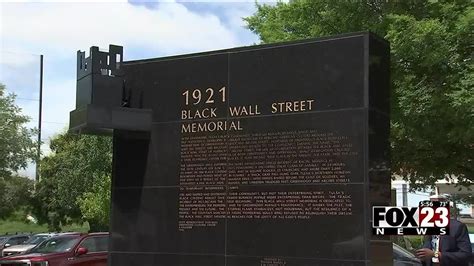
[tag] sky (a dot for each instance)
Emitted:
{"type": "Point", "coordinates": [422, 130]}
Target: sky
{"type": "Point", "coordinates": [57, 30]}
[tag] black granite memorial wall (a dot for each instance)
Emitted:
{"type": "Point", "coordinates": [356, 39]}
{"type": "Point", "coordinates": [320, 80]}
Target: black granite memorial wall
{"type": "Point", "coordinates": [261, 155]}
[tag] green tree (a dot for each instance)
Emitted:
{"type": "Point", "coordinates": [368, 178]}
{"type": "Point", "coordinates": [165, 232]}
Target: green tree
{"type": "Point", "coordinates": [17, 148]}
{"type": "Point", "coordinates": [16, 140]}
{"type": "Point", "coordinates": [15, 194]}
{"type": "Point", "coordinates": [95, 205]}
{"type": "Point", "coordinates": [432, 104]}
{"type": "Point", "coordinates": [70, 173]}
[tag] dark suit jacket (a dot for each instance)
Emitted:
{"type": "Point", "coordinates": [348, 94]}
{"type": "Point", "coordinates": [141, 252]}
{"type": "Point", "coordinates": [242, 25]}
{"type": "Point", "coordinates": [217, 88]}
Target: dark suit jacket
{"type": "Point", "coordinates": [455, 248]}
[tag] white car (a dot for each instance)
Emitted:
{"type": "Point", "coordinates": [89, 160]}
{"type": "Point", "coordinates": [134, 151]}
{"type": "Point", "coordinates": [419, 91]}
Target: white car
{"type": "Point", "coordinates": [26, 246]}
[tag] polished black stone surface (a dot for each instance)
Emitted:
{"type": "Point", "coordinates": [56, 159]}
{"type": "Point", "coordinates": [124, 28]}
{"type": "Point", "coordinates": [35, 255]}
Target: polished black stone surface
{"type": "Point", "coordinates": [347, 80]}
{"type": "Point", "coordinates": [148, 221]}
{"type": "Point", "coordinates": [141, 259]}
{"type": "Point", "coordinates": [330, 72]}
{"type": "Point", "coordinates": [301, 238]}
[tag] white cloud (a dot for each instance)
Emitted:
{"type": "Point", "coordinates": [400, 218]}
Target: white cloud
{"type": "Point", "coordinates": [20, 73]}
{"type": "Point", "coordinates": [16, 59]}
{"type": "Point", "coordinates": [64, 1]}
{"type": "Point", "coordinates": [58, 95]}
{"type": "Point", "coordinates": [58, 30]}
{"type": "Point", "coordinates": [61, 28]}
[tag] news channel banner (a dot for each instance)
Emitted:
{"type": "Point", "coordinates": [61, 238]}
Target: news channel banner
{"type": "Point", "coordinates": [429, 218]}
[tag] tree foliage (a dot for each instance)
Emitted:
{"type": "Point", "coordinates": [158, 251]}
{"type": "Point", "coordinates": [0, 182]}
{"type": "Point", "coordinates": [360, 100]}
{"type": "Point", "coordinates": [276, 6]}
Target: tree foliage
{"type": "Point", "coordinates": [17, 148]}
{"type": "Point", "coordinates": [16, 140]}
{"type": "Point", "coordinates": [95, 205]}
{"type": "Point", "coordinates": [15, 194]}
{"type": "Point", "coordinates": [432, 104]}
{"type": "Point", "coordinates": [70, 173]}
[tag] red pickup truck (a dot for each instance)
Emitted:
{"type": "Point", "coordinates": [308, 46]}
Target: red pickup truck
{"type": "Point", "coordinates": [67, 249]}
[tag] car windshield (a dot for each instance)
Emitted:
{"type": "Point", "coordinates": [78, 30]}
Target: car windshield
{"type": "Point", "coordinates": [3, 240]}
{"type": "Point", "coordinates": [402, 252]}
{"type": "Point", "coordinates": [35, 240]}
{"type": "Point", "coordinates": [56, 244]}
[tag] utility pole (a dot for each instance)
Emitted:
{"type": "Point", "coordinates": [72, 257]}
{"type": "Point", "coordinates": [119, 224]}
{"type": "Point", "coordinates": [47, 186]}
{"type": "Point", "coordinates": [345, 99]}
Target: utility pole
{"type": "Point", "coordinates": [38, 155]}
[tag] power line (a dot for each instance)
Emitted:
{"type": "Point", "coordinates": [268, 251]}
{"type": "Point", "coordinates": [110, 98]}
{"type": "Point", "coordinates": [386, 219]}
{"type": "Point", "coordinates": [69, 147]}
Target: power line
{"type": "Point", "coordinates": [22, 53]}
{"type": "Point", "coordinates": [26, 99]}
{"type": "Point", "coordinates": [49, 122]}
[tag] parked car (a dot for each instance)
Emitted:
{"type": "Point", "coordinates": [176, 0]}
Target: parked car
{"type": "Point", "coordinates": [65, 249]}
{"type": "Point", "coordinates": [26, 246]}
{"type": "Point", "coordinates": [7, 241]}
{"type": "Point", "coordinates": [402, 257]}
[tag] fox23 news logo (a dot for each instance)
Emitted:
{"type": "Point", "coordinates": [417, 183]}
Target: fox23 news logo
{"type": "Point", "coordinates": [429, 218]}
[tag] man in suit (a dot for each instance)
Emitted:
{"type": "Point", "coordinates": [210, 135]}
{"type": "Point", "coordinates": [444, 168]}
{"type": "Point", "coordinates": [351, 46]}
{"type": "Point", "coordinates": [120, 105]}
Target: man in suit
{"type": "Point", "coordinates": [447, 250]}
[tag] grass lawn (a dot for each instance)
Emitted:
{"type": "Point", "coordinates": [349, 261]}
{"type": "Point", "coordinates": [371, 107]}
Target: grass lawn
{"type": "Point", "coordinates": [12, 227]}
